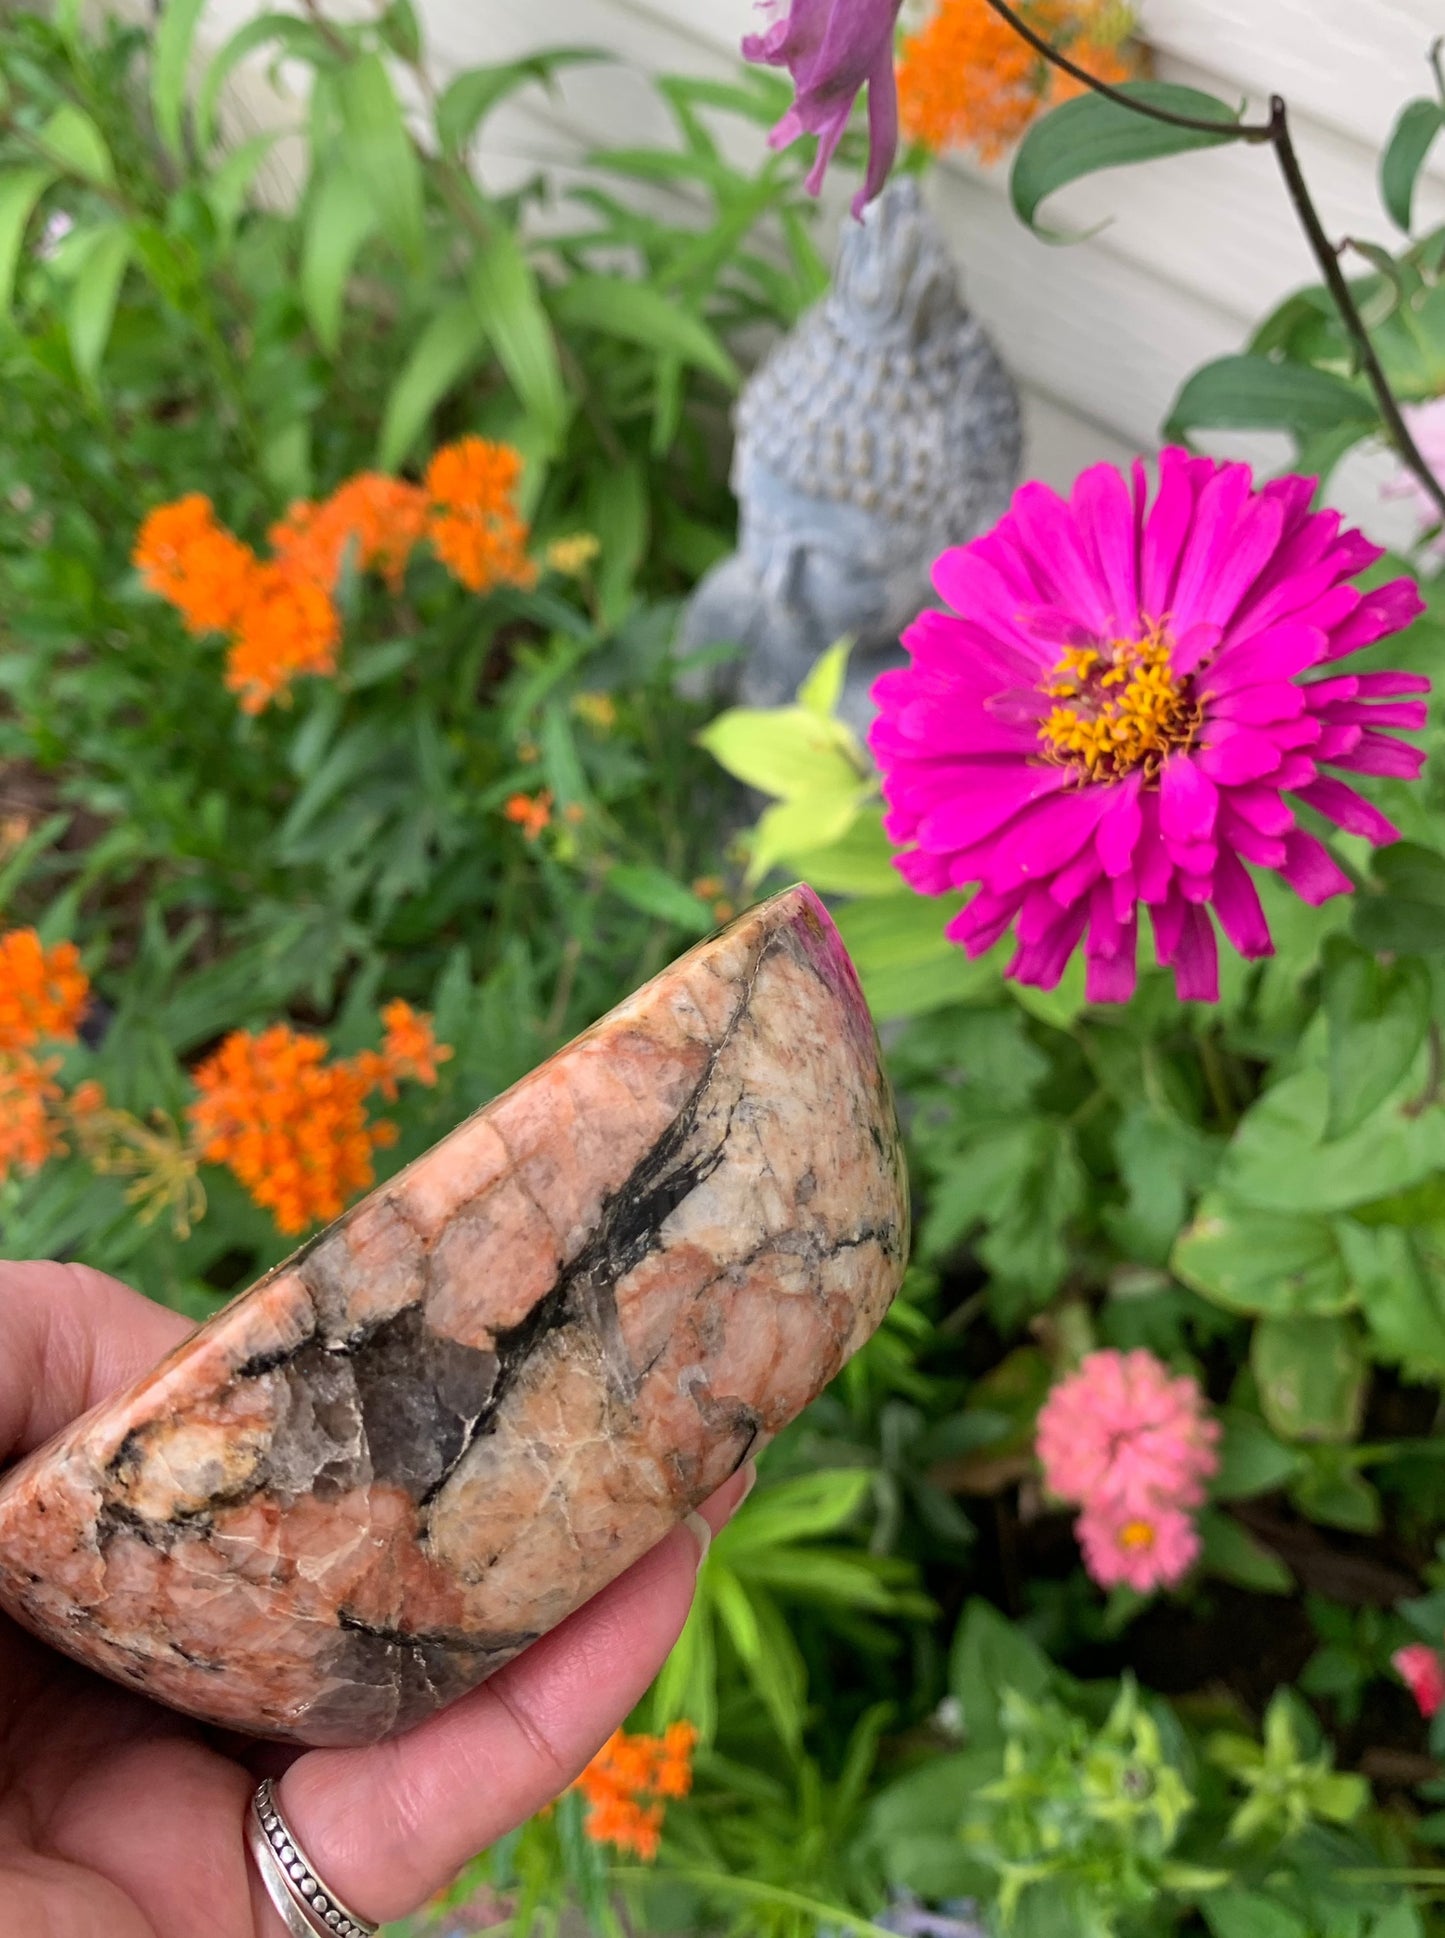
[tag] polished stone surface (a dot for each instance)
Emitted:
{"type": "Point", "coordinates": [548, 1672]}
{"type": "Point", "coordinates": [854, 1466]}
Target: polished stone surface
{"type": "Point", "coordinates": [469, 1404]}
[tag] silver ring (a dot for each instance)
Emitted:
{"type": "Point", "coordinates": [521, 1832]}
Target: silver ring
{"type": "Point", "coordinates": [307, 1907]}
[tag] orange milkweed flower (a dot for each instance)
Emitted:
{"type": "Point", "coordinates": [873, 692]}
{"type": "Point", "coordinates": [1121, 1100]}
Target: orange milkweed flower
{"type": "Point", "coordinates": [627, 1783]}
{"type": "Point", "coordinates": [531, 812]}
{"type": "Point", "coordinates": [29, 1100]}
{"type": "Point", "coordinates": [203, 570]}
{"type": "Point", "coordinates": [291, 1126]}
{"type": "Point", "coordinates": [286, 628]}
{"type": "Point", "coordinates": [409, 1050]}
{"type": "Point", "coordinates": [43, 992]}
{"type": "Point", "coordinates": [967, 80]}
{"type": "Point", "coordinates": [385, 518]}
{"type": "Point", "coordinates": [474, 526]}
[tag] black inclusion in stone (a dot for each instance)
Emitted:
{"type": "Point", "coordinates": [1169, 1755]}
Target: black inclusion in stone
{"type": "Point", "coordinates": [420, 1397]}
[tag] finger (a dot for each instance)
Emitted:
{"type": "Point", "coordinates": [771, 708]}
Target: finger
{"type": "Point", "coordinates": [68, 1337]}
{"type": "Point", "coordinates": [389, 1826]}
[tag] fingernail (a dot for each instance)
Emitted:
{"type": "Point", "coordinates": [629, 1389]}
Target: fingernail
{"type": "Point", "coordinates": [703, 1532]}
{"type": "Point", "coordinates": [750, 1481]}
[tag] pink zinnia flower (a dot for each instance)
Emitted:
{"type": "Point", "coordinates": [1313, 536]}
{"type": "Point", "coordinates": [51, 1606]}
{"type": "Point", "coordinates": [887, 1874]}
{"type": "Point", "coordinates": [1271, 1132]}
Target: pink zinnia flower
{"type": "Point", "coordinates": [832, 49]}
{"type": "Point", "coordinates": [1120, 715]}
{"type": "Point", "coordinates": [1147, 1549]}
{"type": "Point", "coordinates": [1423, 1674]}
{"type": "Point", "coordinates": [1125, 1433]}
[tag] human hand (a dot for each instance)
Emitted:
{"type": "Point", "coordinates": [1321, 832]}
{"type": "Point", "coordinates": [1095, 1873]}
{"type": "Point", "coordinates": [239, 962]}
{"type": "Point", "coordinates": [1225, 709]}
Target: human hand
{"type": "Point", "coordinates": [119, 1819]}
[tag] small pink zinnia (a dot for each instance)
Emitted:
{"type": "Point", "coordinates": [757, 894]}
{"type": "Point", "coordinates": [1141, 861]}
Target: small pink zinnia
{"type": "Point", "coordinates": [1120, 716]}
{"type": "Point", "coordinates": [1125, 1432]}
{"type": "Point", "coordinates": [833, 49]}
{"type": "Point", "coordinates": [1150, 1548]}
{"type": "Point", "coordinates": [1423, 1674]}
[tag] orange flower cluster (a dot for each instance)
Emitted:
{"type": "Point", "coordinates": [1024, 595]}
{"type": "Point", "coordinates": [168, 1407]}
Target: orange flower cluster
{"type": "Point", "coordinates": [627, 1782]}
{"type": "Point", "coordinates": [967, 80]}
{"type": "Point", "coordinates": [473, 526]}
{"type": "Point", "coordinates": [43, 994]}
{"type": "Point", "coordinates": [531, 812]}
{"type": "Point", "coordinates": [292, 1126]}
{"type": "Point", "coordinates": [280, 612]}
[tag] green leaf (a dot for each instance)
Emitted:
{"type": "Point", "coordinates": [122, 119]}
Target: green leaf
{"type": "Point", "coordinates": [1262, 1261]}
{"type": "Point", "coordinates": [229, 185]}
{"type": "Point", "coordinates": [472, 95]}
{"type": "Point", "coordinates": [90, 311]}
{"type": "Point", "coordinates": [450, 345]}
{"type": "Point", "coordinates": [401, 31]}
{"type": "Point", "coordinates": [1229, 1551]}
{"type": "Point", "coordinates": [73, 139]}
{"type": "Point", "coordinates": [1410, 142]}
{"type": "Point", "coordinates": [1252, 393]}
{"type": "Point", "coordinates": [1399, 1277]}
{"type": "Point", "coordinates": [1093, 132]}
{"type": "Point", "coordinates": [989, 1657]}
{"type": "Point", "coordinates": [859, 862]}
{"type": "Point", "coordinates": [788, 752]}
{"type": "Point", "coordinates": [1402, 907]}
{"type": "Point", "coordinates": [299, 38]}
{"type": "Point", "coordinates": [809, 1505]}
{"type": "Point", "coordinates": [379, 149]}
{"type": "Point", "coordinates": [794, 827]}
{"type": "Point", "coordinates": [1311, 1374]}
{"type": "Point", "coordinates": [170, 61]}
{"type": "Point", "coordinates": [823, 688]}
{"type": "Point", "coordinates": [1333, 1491]}
{"type": "Point", "coordinates": [509, 306]}
{"type": "Point", "coordinates": [20, 190]}
{"type": "Point", "coordinates": [906, 963]}
{"type": "Point", "coordinates": [1376, 1015]}
{"type": "Point", "coordinates": [639, 313]}
{"type": "Point", "coordinates": [1251, 1460]}
{"type": "Point", "coordinates": [1246, 1914]}
{"type": "Point", "coordinates": [654, 892]}
{"type": "Point", "coordinates": [1278, 1159]}
{"type": "Point", "coordinates": [340, 214]}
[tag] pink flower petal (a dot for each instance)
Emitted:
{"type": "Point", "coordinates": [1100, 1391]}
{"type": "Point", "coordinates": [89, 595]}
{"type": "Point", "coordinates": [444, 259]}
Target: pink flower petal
{"type": "Point", "coordinates": [1377, 753]}
{"type": "Point", "coordinates": [1240, 911]}
{"type": "Point", "coordinates": [1348, 810]}
{"type": "Point", "coordinates": [1312, 871]}
{"type": "Point", "coordinates": [1188, 800]}
{"type": "Point", "coordinates": [1237, 754]}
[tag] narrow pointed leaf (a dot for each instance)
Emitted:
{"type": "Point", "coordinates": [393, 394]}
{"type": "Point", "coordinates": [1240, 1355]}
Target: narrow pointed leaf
{"type": "Point", "coordinates": [509, 306]}
{"type": "Point", "coordinates": [1093, 132]}
{"type": "Point", "coordinates": [640, 314]}
{"type": "Point", "coordinates": [450, 345]}
{"type": "Point", "coordinates": [470, 98]}
{"type": "Point", "coordinates": [170, 63]}
{"type": "Point", "coordinates": [20, 190]}
{"type": "Point", "coordinates": [74, 140]}
{"type": "Point", "coordinates": [1258, 393]}
{"type": "Point", "coordinates": [91, 309]}
{"type": "Point", "coordinates": [340, 215]}
{"type": "Point", "coordinates": [1410, 142]}
{"type": "Point", "coordinates": [379, 148]}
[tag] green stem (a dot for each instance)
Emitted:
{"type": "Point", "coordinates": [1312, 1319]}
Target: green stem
{"type": "Point", "coordinates": [1275, 132]}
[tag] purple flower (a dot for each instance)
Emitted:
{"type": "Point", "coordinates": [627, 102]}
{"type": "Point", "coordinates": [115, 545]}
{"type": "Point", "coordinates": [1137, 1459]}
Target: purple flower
{"type": "Point", "coordinates": [832, 48]}
{"type": "Point", "coordinates": [1122, 711]}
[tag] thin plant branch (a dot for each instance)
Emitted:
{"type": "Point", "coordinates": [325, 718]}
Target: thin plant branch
{"type": "Point", "coordinates": [1276, 133]}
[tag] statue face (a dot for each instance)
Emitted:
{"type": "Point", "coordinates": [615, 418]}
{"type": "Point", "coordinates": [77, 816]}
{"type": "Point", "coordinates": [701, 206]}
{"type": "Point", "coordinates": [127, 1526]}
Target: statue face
{"type": "Point", "coordinates": [820, 560]}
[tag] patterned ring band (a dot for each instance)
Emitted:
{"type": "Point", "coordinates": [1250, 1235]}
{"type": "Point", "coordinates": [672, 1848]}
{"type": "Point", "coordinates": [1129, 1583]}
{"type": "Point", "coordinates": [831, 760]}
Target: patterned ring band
{"type": "Point", "coordinates": [308, 1908]}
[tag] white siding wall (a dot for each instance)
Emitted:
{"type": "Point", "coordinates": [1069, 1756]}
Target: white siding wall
{"type": "Point", "coordinates": [1100, 334]}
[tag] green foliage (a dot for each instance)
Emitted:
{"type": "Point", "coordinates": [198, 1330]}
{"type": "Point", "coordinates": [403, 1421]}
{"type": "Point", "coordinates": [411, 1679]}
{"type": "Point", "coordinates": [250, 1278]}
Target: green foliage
{"type": "Point", "coordinates": [503, 809]}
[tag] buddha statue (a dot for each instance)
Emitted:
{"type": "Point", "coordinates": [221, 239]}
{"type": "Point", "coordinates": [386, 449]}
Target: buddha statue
{"type": "Point", "coordinates": [878, 432]}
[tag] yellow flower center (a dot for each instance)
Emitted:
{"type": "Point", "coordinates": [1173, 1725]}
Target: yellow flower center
{"type": "Point", "coordinates": [1119, 706]}
{"type": "Point", "coordinates": [1136, 1534]}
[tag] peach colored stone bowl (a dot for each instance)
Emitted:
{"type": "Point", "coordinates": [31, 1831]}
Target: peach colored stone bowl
{"type": "Point", "coordinates": [465, 1407]}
